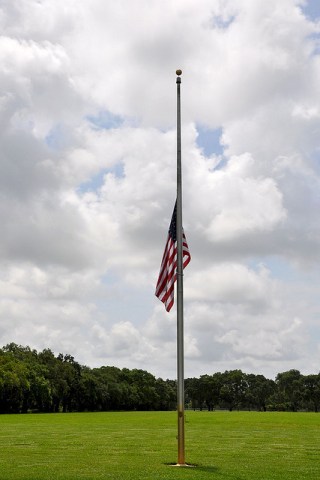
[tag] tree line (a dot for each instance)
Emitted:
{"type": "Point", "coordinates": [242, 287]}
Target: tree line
{"type": "Point", "coordinates": [32, 381]}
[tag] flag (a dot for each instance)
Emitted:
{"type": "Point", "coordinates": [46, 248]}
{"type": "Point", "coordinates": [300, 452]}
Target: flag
{"type": "Point", "coordinates": [168, 269]}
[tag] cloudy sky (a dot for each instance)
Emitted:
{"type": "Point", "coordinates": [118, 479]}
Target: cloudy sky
{"type": "Point", "coordinates": [88, 172]}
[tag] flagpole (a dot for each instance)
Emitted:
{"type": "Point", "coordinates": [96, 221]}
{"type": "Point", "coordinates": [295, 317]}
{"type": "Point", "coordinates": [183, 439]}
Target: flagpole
{"type": "Point", "coordinates": [180, 334]}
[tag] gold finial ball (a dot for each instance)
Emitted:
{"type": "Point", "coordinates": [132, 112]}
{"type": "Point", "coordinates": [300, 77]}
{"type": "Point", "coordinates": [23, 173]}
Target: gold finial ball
{"type": "Point", "coordinates": [179, 72]}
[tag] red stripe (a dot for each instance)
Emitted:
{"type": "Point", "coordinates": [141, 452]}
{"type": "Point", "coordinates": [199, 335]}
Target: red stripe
{"type": "Point", "coordinates": [168, 274]}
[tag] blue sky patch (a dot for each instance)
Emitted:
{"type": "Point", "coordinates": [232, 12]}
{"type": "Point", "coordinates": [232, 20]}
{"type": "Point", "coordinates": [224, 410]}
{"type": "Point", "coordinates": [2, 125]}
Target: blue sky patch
{"type": "Point", "coordinates": [96, 181]}
{"type": "Point", "coordinates": [315, 37]}
{"type": "Point", "coordinates": [105, 120]}
{"type": "Point", "coordinates": [311, 9]}
{"type": "Point", "coordinates": [218, 21]}
{"type": "Point", "coordinates": [209, 141]}
{"type": "Point", "coordinates": [56, 138]}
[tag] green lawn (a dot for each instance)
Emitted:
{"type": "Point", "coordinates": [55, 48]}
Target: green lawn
{"type": "Point", "coordinates": [141, 445]}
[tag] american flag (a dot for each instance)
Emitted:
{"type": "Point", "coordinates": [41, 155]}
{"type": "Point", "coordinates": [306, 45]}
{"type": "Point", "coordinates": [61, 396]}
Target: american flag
{"type": "Point", "coordinates": [168, 269]}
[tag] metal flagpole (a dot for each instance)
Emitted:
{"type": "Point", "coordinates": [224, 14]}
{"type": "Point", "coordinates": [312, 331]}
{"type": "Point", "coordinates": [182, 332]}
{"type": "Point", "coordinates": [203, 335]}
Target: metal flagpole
{"type": "Point", "coordinates": [180, 334]}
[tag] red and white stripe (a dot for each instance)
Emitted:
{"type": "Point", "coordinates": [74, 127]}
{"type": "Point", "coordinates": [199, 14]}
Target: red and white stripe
{"type": "Point", "coordinates": [168, 271]}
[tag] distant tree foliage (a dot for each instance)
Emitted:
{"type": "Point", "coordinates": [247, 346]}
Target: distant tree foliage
{"type": "Point", "coordinates": [32, 381]}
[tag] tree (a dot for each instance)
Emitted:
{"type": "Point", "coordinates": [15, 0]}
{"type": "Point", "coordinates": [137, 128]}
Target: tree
{"type": "Point", "coordinates": [142, 388]}
{"type": "Point", "coordinates": [290, 389]}
{"type": "Point", "coordinates": [43, 382]}
{"type": "Point", "coordinates": [193, 393]}
{"type": "Point", "coordinates": [14, 384]}
{"type": "Point", "coordinates": [210, 386]}
{"type": "Point", "coordinates": [259, 391]}
{"type": "Point", "coordinates": [311, 384]}
{"type": "Point", "coordinates": [234, 388]}
{"type": "Point", "coordinates": [166, 395]}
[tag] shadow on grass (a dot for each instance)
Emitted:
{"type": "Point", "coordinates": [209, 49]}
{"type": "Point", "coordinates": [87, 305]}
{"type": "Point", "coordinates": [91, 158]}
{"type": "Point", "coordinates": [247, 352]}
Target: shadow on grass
{"type": "Point", "coordinates": [197, 468]}
{"type": "Point", "coordinates": [213, 470]}
{"type": "Point", "coordinates": [206, 468]}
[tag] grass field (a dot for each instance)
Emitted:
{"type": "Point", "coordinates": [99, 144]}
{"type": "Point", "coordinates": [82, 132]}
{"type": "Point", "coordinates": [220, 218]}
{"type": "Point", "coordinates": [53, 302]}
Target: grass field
{"type": "Point", "coordinates": [141, 445]}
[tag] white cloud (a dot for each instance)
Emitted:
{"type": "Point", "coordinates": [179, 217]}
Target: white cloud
{"type": "Point", "coordinates": [87, 180]}
{"type": "Point", "coordinates": [220, 283]}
